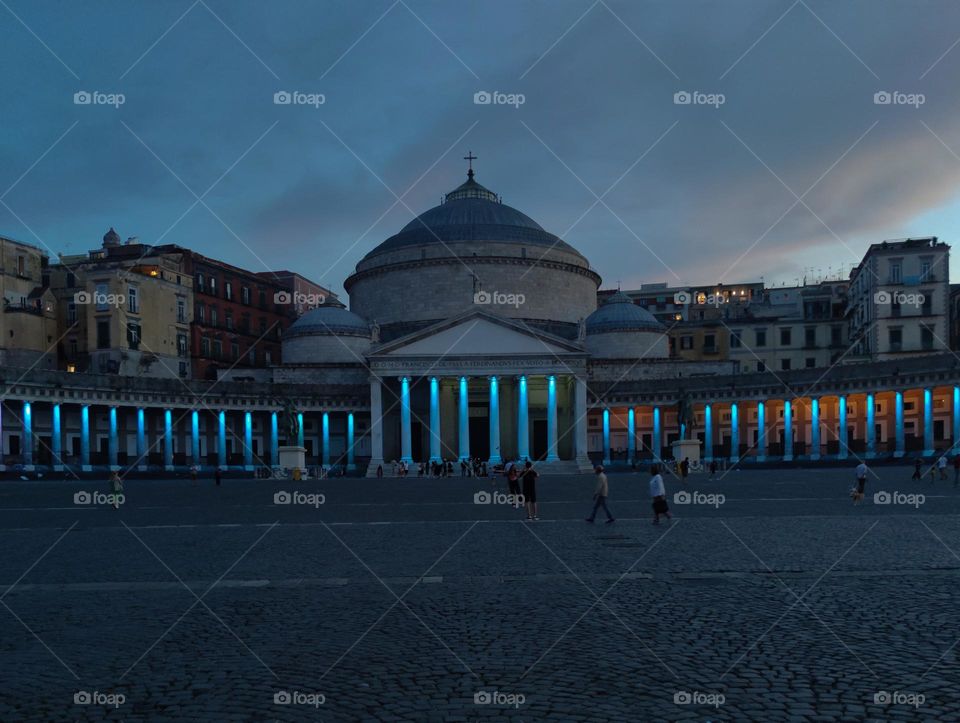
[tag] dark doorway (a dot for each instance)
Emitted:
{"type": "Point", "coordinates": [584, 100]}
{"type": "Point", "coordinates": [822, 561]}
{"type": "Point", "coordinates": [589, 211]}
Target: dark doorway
{"type": "Point", "coordinates": [938, 429]}
{"type": "Point", "coordinates": [417, 438]}
{"type": "Point", "coordinates": [539, 450]}
{"type": "Point", "coordinates": [44, 455]}
{"type": "Point", "coordinates": [480, 437]}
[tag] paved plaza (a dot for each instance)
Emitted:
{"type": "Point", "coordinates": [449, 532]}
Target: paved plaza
{"type": "Point", "coordinates": [769, 597]}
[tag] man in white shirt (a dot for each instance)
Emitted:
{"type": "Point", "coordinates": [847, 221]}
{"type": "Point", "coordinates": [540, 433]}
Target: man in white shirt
{"type": "Point", "coordinates": [659, 495]}
{"type": "Point", "coordinates": [861, 482]}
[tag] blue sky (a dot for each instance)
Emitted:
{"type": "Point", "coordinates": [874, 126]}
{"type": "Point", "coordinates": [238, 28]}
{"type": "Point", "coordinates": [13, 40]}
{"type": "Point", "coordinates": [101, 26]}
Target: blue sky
{"type": "Point", "coordinates": [697, 193]}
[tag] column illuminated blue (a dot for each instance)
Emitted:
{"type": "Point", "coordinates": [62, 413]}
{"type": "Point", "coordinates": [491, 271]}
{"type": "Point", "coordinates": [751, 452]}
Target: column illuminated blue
{"type": "Point", "coordinates": [656, 443]}
{"type": "Point", "coordinates": [222, 439]}
{"type": "Point", "coordinates": [434, 419]}
{"type": "Point", "coordinates": [734, 433]}
{"type": "Point", "coordinates": [707, 433]}
{"type": "Point", "coordinates": [927, 422]}
{"type": "Point", "coordinates": [631, 435]}
{"type": "Point", "coordinates": [405, 453]}
{"type": "Point", "coordinates": [274, 441]}
{"type": "Point", "coordinates": [464, 416]}
{"type": "Point", "coordinates": [842, 435]}
{"type": "Point", "coordinates": [85, 437]}
{"type": "Point", "coordinates": [761, 431]}
{"type": "Point", "coordinates": [167, 439]}
{"type": "Point", "coordinates": [57, 437]}
{"type": "Point", "coordinates": [787, 430]}
{"type": "Point", "coordinates": [900, 449]}
{"type": "Point", "coordinates": [248, 440]}
{"type": "Point", "coordinates": [956, 417]}
{"type": "Point", "coordinates": [141, 439]}
{"type": "Point", "coordinates": [814, 428]}
{"type": "Point", "coordinates": [495, 457]}
{"type": "Point", "coordinates": [606, 436]}
{"type": "Point", "coordinates": [552, 419]}
{"type": "Point", "coordinates": [351, 464]}
{"type": "Point", "coordinates": [871, 428]}
{"type": "Point", "coordinates": [27, 435]}
{"type": "Point", "coordinates": [195, 436]}
{"type": "Point", "coordinates": [523, 420]}
{"type": "Point", "coordinates": [299, 429]}
{"type": "Point", "coordinates": [325, 422]}
{"type": "Point", "coordinates": [112, 442]}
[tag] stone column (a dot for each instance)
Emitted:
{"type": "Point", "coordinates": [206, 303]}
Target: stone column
{"type": "Point", "coordinates": [523, 420]}
{"type": "Point", "coordinates": [405, 453]}
{"type": "Point", "coordinates": [299, 429]}
{"type": "Point", "coordinates": [434, 420]}
{"type": "Point", "coordinates": [56, 439]}
{"type": "Point", "coordinates": [463, 448]}
{"type": "Point", "coordinates": [898, 425]}
{"type": "Point", "coordinates": [222, 439]}
{"type": "Point", "coordinates": [274, 441]}
{"type": "Point", "coordinates": [376, 427]}
{"type": "Point", "coordinates": [814, 428]}
{"type": "Point", "coordinates": [248, 441]}
{"type": "Point", "coordinates": [495, 457]}
{"type": "Point", "coordinates": [195, 436]}
{"type": "Point", "coordinates": [552, 419]}
{"type": "Point", "coordinates": [27, 450]}
{"type": "Point", "coordinates": [787, 430]}
{"type": "Point", "coordinates": [842, 450]}
{"type": "Point", "coordinates": [631, 436]}
{"type": "Point", "coordinates": [734, 433]}
{"type": "Point", "coordinates": [928, 422]}
{"type": "Point", "coordinates": [85, 438]}
{"type": "Point", "coordinates": [167, 440]}
{"type": "Point", "coordinates": [707, 433]}
{"type": "Point", "coordinates": [142, 453]}
{"type": "Point", "coordinates": [871, 429]}
{"type": "Point", "coordinates": [351, 453]}
{"type": "Point", "coordinates": [955, 436]}
{"type": "Point", "coordinates": [112, 441]}
{"type": "Point", "coordinates": [580, 422]}
{"type": "Point", "coordinates": [761, 431]}
{"type": "Point", "coordinates": [325, 431]}
{"type": "Point", "coordinates": [606, 436]}
{"type": "Point", "coordinates": [657, 441]}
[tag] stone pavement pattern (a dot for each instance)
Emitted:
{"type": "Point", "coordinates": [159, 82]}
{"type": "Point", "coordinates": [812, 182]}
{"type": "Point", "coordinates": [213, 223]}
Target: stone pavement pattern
{"type": "Point", "coordinates": [405, 600]}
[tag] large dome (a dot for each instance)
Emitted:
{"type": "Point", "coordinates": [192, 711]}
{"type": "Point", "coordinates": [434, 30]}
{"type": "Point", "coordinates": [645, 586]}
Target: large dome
{"type": "Point", "coordinates": [435, 267]}
{"type": "Point", "coordinates": [471, 213]}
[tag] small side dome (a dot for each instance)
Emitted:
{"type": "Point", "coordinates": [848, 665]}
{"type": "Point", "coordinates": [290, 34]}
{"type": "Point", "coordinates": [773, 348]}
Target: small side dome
{"type": "Point", "coordinates": [111, 238]}
{"type": "Point", "coordinates": [619, 313]}
{"type": "Point", "coordinates": [327, 334]}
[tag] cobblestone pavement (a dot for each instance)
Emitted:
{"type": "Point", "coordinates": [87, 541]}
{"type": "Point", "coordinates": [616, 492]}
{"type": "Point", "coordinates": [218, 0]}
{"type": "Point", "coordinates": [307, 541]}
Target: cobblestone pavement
{"type": "Point", "coordinates": [769, 597]}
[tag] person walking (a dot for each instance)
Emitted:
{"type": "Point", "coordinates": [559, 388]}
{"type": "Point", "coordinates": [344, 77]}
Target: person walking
{"type": "Point", "coordinates": [917, 473]}
{"type": "Point", "coordinates": [193, 473]}
{"type": "Point", "coordinates": [379, 471]}
{"type": "Point", "coordinates": [530, 491]}
{"type": "Point", "coordinates": [217, 476]}
{"type": "Point", "coordinates": [600, 496]}
{"type": "Point", "coordinates": [713, 468]}
{"type": "Point", "coordinates": [861, 473]}
{"type": "Point", "coordinates": [116, 489]}
{"type": "Point", "coordinates": [685, 468]}
{"type": "Point", "coordinates": [942, 466]}
{"type": "Point", "coordinates": [659, 495]}
{"type": "Point", "coordinates": [513, 483]}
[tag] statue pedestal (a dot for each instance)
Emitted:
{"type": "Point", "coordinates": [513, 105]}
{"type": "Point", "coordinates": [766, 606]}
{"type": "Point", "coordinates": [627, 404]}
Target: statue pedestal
{"type": "Point", "coordinates": [686, 449]}
{"type": "Point", "coordinates": [292, 457]}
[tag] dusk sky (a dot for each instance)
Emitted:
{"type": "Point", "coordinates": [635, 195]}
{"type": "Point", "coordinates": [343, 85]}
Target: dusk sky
{"type": "Point", "coordinates": [697, 193]}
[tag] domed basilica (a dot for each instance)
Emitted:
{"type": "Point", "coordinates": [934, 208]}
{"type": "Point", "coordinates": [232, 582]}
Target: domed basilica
{"type": "Point", "coordinates": [477, 330]}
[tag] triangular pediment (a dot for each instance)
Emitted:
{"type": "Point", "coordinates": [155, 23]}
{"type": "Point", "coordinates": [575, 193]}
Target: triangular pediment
{"type": "Point", "coordinates": [478, 334]}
